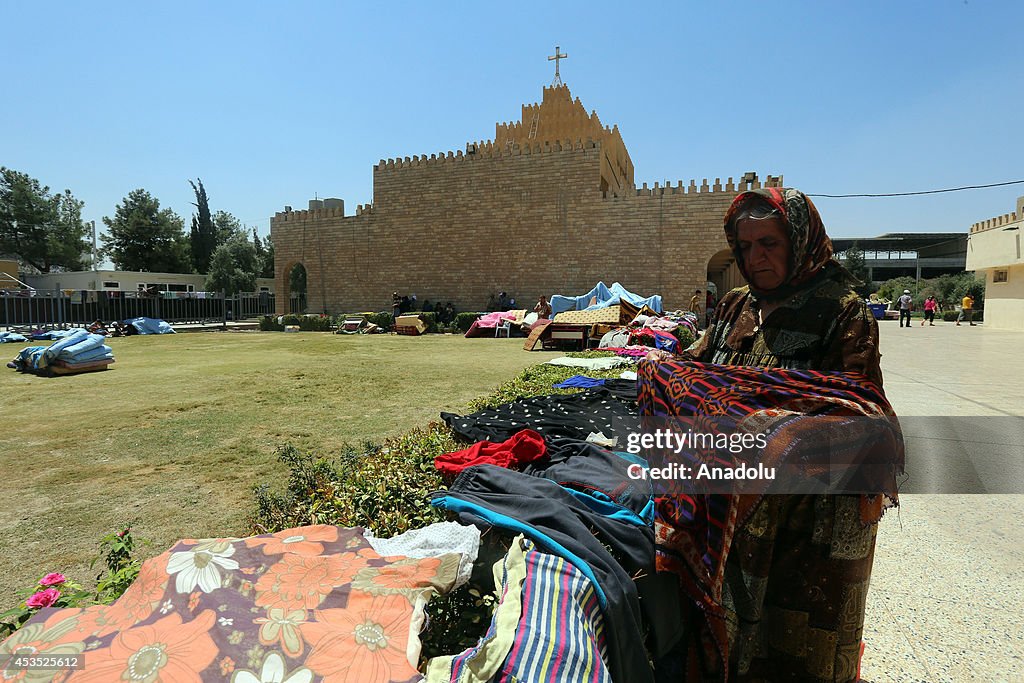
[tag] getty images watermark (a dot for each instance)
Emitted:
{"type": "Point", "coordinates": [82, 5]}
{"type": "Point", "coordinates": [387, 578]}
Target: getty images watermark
{"type": "Point", "coordinates": [668, 441]}
{"type": "Point", "coordinates": [769, 452]}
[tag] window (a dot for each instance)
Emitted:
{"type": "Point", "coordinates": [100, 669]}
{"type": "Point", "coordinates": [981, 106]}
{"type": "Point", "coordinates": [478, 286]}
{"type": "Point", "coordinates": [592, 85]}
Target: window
{"type": "Point", "coordinates": [110, 284]}
{"type": "Point", "coordinates": [179, 288]}
{"type": "Point", "coordinates": [1000, 276]}
{"type": "Point", "coordinates": [265, 289]}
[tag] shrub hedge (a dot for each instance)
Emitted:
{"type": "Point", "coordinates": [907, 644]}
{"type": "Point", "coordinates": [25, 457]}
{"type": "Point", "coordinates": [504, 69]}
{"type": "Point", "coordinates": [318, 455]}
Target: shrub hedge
{"type": "Point", "coordinates": [306, 323]}
{"type": "Point", "coordinates": [951, 316]}
{"type": "Point", "coordinates": [464, 321]}
{"type": "Point", "coordinates": [385, 487]}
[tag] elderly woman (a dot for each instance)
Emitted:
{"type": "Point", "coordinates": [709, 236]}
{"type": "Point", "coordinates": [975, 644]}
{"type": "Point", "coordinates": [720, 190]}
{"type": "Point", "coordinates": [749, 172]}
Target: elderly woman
{"type": "Point", "coordinates": [791, 604]}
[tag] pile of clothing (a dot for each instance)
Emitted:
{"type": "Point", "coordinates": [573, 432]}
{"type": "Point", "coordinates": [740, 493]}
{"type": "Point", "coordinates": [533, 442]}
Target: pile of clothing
{"type": "Point", "coordinates": [647, 330]}
{"type": "Point", "coordinates": [75, 351]}
{"type": "Point", "coordinates": [578, 594]}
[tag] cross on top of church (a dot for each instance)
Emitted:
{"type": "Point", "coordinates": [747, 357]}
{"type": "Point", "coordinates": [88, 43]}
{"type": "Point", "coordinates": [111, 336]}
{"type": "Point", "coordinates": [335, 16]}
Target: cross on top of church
{"type": "Point", "coordinates": [556, 57]}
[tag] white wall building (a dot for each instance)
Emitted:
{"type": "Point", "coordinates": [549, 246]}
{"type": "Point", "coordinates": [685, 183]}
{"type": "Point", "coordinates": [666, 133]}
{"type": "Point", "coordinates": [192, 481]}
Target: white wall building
{"type": "Point", "coordinates": [129, 281]}
{"type": "Point", "coordinates": [994, 248]}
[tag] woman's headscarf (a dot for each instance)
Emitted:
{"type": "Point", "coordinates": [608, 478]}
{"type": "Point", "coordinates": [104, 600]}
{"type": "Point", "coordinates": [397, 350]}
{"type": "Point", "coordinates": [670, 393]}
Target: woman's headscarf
{"type": "Point", "coordinates": [810, 247]}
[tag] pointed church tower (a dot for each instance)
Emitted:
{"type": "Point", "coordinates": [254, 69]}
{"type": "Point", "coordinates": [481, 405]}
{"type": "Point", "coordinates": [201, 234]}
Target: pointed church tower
{"type": "Point", "coordinates": [559, 118]}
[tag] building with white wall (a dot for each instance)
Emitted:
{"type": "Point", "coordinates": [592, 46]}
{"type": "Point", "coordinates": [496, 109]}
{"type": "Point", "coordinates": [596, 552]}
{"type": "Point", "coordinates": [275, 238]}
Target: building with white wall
{"type": "Point", "coordinates": [994, 248]}
{"type": "Point", "coordinates": [129, 281]}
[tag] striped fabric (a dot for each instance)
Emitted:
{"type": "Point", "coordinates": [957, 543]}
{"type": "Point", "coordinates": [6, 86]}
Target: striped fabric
{"type": "Point", "coordinates": [481, 662]}
{"type": "Point", "coordinates": [547, 628]}
{"type": "Point", "coordinates": [560, 637]}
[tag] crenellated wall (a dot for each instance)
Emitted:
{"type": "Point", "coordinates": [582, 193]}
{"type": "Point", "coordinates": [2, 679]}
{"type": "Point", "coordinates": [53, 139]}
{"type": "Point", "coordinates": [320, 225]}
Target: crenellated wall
{"type": "Point", "coordinates": [527, 215]}
{"type": "Point", "coordinates": [997, 222]}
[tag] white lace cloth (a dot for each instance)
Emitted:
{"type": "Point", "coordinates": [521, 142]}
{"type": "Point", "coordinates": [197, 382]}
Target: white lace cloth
{"type": "Point", "coordinates": [435, 540]}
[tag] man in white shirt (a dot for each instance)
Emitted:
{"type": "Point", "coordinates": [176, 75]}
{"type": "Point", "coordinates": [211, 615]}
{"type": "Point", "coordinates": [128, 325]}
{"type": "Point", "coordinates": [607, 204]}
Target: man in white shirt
{"type": "Point", "coordinates": [906, 304]}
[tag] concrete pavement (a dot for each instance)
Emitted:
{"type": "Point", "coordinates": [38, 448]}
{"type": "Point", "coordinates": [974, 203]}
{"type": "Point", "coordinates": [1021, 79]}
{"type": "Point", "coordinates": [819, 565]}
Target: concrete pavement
{"type": "Point", "coordinates": [947, 590]}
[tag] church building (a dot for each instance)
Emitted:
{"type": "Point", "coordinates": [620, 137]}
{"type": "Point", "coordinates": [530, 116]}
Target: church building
{"type": "Point", "coordinates": [549, 206]}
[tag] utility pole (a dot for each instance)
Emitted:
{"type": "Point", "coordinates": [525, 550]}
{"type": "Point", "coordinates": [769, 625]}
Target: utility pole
{"type": "Point", "coordinates": [93, 245]}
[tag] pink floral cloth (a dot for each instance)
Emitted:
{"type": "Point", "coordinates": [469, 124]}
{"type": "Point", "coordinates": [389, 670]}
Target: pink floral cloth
{"type": "Point", "coordinates": [309, 604]}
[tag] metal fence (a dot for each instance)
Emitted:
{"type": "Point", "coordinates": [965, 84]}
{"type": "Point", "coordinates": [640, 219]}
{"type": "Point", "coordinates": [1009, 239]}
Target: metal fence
{"type": "Point", "coordinates": [48, 309]}
{"type": "Point", "coordinates": [62, 308]}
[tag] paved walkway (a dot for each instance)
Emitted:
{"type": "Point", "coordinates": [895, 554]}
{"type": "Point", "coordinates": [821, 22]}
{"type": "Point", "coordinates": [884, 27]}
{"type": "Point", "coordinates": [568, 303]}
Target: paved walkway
{"type": "Point", "coordinates": [947, 590]}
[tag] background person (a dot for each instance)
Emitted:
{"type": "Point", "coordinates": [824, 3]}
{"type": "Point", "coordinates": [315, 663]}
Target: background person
{"type": "Point", "coordinates": [930, 306]}
{"type": "Point", "coordinates": [966, 310]}
{"type": "Point", "coordinates": [543, 308]}
{"type": "Point", "coordinates": [396, 306]}
{"type": "Point", "coordinates": [905, 304]}
{"type": "Point", "coordinates": [696, 305]}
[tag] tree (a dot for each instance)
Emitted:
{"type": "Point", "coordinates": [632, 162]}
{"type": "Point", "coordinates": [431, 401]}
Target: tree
{"type": "Point", "coordinates": [969, 283]}
{"type": "Point", "coordinates": [226, 226]}
{"type": "Point", "coordinates": [855, 264]}
{"type": "Point", "coordinates": [893, 289]}
{"type": "Point", "coordinates": [142, 236]}
{"type": "Point", "coordinates": [233, 267]}
{"type": "Point", "coordinates": [297, 279]}
{"type": "Point", "coordinates": [268, 257]}
{"type": "Point", "coordinates": [43, 231]}
{"type": "Point", "coordinates": [202, 236]}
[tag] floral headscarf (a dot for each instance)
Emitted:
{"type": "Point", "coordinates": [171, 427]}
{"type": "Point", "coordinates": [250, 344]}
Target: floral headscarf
{"type": "Point", "coordinates": [810, 247]}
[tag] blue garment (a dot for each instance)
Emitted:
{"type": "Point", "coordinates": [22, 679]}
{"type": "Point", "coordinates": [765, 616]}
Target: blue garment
{"type": "Point", "coordinates": [579, 382]}
{"type": "Point", "coordinates": [553, 518]}
{"type": "Point", "coordinates": [150, 326]}
{"type": "Point", "coordinates": [606, 296]}
{"type": "Point", "coordinates": [12, 337]}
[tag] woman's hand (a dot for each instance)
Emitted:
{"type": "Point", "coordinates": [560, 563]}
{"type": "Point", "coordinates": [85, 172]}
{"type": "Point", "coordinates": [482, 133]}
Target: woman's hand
{"type": "Point", "coordinates": [658, 355]}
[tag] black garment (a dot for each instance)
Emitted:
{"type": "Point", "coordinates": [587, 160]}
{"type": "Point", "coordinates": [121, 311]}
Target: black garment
{"type": "Point", "coordinates": [553, 516]}
{"type": "Point", "coordinates": [588, 468]}
{"type": "Point", "coordinates": [560, 415]}
{"type": "Point", "coordinates": [905, 313]}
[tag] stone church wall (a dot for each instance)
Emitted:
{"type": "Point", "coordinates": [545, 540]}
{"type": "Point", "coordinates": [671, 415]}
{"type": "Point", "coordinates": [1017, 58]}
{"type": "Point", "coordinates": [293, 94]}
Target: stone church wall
{"type": "Point", "coordinates": [527, 220]}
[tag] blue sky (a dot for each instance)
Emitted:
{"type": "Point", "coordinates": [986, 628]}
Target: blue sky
{"type": "Point", "coordinates": [271, 103]}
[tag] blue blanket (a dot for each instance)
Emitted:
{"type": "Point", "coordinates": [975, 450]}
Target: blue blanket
{"type": "Point", "coordinates": [150, 326]}
{"type": "Point", "coordinates": [605, 296]}
{"type": "Point", "coordinates": [77, 346]}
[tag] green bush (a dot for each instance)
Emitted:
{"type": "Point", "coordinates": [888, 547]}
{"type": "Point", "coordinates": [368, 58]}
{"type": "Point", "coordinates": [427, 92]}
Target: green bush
{"type": "Point", "coordinates": [948, 289]}
{"type": "Point", "coordinates": [685, 337]}
{"type": "Point", "coordinates": [382, 320]}
{"type": "Point", "coordinates": [464, 321]}
{"type": "Point", "coordinates": [315, 323]}
{"type": "Point", "coordinates": [951, 316]}
{"type": "Point", "coordinates": [379, 486]}
{"type": "Point", "coordinates": [268, 323]}
{"type": "Point", "coordinates": [430, 318]}
{"type": "Point", "coordinates": [116, 551]}
{"type": "Point", "coordinates": [306, 323]}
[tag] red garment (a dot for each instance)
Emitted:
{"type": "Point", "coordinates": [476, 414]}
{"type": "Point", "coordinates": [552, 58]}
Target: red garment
{"type": "Point", "coordinates": [522, 448]}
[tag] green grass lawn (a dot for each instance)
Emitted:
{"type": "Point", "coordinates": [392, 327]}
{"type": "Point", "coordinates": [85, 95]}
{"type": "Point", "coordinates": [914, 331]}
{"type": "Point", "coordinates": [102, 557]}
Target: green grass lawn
{"type": "Point", "coordinates": [182, 427]}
